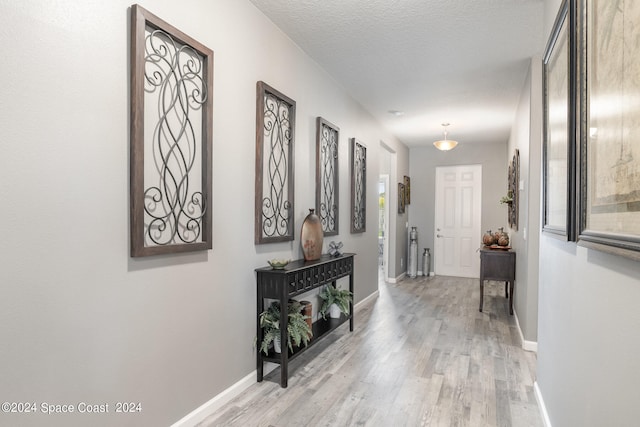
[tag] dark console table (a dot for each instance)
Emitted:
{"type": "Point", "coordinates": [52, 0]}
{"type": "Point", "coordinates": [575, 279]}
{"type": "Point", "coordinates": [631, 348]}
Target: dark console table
{"type": "Point", "coordinates": [499, 265]}
{"type": "Point", "coordinates": [295, 279]}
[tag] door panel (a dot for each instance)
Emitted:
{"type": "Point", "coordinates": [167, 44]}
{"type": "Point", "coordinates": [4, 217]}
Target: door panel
{"type": "Point", "coordinates": [458, 220]}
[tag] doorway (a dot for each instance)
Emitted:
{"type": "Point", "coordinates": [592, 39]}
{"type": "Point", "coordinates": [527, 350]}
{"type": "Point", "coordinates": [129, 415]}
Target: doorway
{"type": "Point", "coordinates": [386, 224]}
{"type": "Point", "coordinates": [383, 225]}
{"type": "Point", "coordinates": [457, 223]}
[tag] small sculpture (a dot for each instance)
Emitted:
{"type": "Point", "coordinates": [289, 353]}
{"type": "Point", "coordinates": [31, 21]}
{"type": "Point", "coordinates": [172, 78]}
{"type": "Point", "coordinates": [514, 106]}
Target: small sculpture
{"type": "Point", "coordinates": [488, 238]}
{"type": "Point", "coordinates": [501, 238]}
{"type": "Point", "coordinates": [334, 249]}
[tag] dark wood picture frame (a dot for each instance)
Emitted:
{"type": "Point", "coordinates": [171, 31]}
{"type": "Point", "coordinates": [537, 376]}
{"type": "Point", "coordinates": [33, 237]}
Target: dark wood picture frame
{"type": "Point", "coordinates": [401, 198]}
{"type": "Point", "coordinates": [513, 190]}
{"type": "Point", "coordinates": [407, 190]}
{"type": "Point", "coordinates": [358, 161]}
{"type": "Point", "coordinates": [327, 176]}
{"type": "Point", "coordinates": [609, 155]}
{"type": "Point", "coordinates": [559, 89]}
{"type": "Point", "coordinates": [170, 163]}
{"type": "Point", "coordinates": [275, 140]}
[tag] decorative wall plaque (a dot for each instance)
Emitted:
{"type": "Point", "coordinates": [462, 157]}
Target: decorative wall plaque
{"type": "Point", "coordinates": [327, 183]}
{"type": "Point", "coordinates": [358, 187]}
{"type": "Point", "coordinates": [275, 131]}
{"type": "Point", "coordinates": [171, 138]}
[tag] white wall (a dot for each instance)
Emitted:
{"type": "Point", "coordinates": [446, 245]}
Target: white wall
{"type": "Point", "coordinates": [423, 163]}
{"type": "Point", "coordinates": [526, 137]}
{"type": "Point", "coordinates": [80, 320]}
{"type": "Point", "coordinates": [588, 365]}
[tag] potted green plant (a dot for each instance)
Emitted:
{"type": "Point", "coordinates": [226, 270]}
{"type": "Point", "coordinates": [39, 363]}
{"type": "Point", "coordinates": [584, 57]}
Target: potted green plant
{"type": "Point", "coordinates": [334, 300]}
{"type": "Point", "coordinates": [507, 199]}
{"type": "Point", "coordinates": [298, 330]}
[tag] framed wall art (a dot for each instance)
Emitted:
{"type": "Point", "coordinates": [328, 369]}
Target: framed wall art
{"type": "Point", "coordinates": [407, 190]}
{"type": "Point", "coordinates": [609, 201]}
{"type": "Point", "coordinates": [358, 154]}
{"type": "Point", "coordinates": [401, 198]}
{"type": "Point", "coordinates": [171, 138]}
{"type": "Point", "coordinates": [327, 182]}
{"type": "Point", "coordinates": [275, 137]}
{"type": "Point", "coordinates": [559, 127]}
{"type": "Point", "coordinates": [513, 190]}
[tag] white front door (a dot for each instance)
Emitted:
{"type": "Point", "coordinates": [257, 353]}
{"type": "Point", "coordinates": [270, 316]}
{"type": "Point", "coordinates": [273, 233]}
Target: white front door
{"type": "Point", "coordinates": [457, 220]}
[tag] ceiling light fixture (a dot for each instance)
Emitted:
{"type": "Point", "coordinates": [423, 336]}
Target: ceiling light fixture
{"type": "Point", "coordinates": [445, 144]}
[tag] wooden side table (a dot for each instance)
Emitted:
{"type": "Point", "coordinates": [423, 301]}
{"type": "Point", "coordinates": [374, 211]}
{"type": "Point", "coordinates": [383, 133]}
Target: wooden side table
{"type": "Point", "coordinates": [296, 278]}
{"type": "Point", "coordinates": [499, 265]}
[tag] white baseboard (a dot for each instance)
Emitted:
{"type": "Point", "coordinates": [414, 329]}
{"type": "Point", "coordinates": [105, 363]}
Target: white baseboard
{"type": "Point", "coordinates": [373, 296]}
{"type": "Point", "coordinates": [526, 345]}
{"type": "Point", "coordinates": [541, 405]}
{"type": "Point", "coordinates": [208, 408]}
{"type": "Point", "coordinates": [218, 401]}
{"type": "Point", "coordinates": [397, 279]}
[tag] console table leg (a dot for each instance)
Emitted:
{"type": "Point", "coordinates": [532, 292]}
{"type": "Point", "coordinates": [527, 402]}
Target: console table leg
{"type": "Point", "coordinates": [284, 337]}
{"type": "Point", "coordinates": [351, 303]}
{"type": "Point", "coordinates": [511, 300]}
{"type": "Point", "coordinates": [481, 293]}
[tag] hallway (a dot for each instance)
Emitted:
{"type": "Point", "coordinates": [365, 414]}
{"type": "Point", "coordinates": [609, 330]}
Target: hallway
{"type": "Point", "coordinates": [420, 354]}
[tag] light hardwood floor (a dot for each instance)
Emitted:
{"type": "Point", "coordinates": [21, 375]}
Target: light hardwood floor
{"type": "Point", "coordinates": [420, 355]}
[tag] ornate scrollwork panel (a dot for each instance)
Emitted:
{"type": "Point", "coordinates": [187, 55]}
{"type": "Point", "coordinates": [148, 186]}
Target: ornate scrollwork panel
{"type": "Point", "coordinates": [171, 139]}
{"type": "Point", "coordinates": [327, 183]}
{"type": "Point", "coordinates": [358, 186]}
{"type": "Point", "coordinates": [275, 131]}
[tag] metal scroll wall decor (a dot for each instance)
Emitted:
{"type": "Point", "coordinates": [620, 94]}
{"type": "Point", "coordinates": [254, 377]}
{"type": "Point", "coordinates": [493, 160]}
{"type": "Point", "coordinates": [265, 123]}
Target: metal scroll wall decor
{"type": "Point", "coordinates": [327, 136]}
{"type": "Point", "coordinates": [171, 138]}
{"type": "Point", "coordinates": [275, 131]}
{"type": "Point", "coordinates": [358, 186]}
{"type": "Point", "coordinates": [514, 183]}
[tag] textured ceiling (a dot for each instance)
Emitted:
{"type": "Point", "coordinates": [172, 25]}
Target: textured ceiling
{"type": "Point", "coordinates": [457, 61]}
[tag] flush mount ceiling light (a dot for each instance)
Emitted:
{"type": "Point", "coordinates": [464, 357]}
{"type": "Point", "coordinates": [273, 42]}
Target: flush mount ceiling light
{"type": "Point", "coordinates": [445, 144]}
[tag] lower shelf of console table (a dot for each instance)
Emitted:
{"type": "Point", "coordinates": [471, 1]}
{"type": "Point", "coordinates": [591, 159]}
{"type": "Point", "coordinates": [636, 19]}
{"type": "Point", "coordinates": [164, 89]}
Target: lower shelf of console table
{"type": "Point", "coordinates": [295, 279]}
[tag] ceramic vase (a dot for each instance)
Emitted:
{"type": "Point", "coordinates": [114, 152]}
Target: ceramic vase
{"type": "Point", "coordinates": [334, 311]}
{"type": "Point", "coordinates": [311, 237]}
{"type": "Point", "coordinates": [488, 238]}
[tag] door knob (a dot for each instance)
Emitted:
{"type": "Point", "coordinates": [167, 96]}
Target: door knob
{"type": "Point", "coordinates": [439, 235]}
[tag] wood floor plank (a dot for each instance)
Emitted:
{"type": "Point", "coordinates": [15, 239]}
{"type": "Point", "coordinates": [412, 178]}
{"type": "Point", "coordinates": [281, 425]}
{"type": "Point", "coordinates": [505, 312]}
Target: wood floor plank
{"type": "Point", "coordinates": [420, 355]}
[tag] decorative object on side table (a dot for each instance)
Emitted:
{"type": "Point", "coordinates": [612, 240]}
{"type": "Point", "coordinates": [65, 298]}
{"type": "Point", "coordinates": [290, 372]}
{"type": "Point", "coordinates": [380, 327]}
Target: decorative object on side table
{"type": "Point", "coordinates": [311, 237]}
{"type": "Point", "coordinates": [298, 330]}
{"type": "Point", "coordinates": [278, 264]}
{"type": "Point", "coordinates": [496, 240]}
{"type": "Point", "coordinates": [335, 249]}
{"type": "Point", "coordinates": [501, 238]}
{"type": "Point", "coordinates": [488, 239]}
{"type": "Point", "coordinates": [335, 301]}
